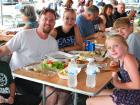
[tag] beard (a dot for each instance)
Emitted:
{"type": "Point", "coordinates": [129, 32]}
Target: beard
{"type": "Point", "coordinates": [47, 31]}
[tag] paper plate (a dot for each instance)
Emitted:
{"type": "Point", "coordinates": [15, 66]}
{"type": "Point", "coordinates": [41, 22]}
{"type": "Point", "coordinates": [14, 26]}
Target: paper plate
{"type": "Point", "coordinates": [66, 75]}
{"type": "Point", "coordinates": [62, 76]}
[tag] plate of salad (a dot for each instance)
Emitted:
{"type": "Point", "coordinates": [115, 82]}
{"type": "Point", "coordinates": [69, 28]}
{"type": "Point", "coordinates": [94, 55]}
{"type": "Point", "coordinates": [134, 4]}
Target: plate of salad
{"type": "Point", "coordinates": [52, 65]}
{"type": "Point", "coordinates": [47, 66]}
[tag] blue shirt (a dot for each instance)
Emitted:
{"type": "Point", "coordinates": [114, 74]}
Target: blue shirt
{"type": "Point", "coordinates": [87, 27]}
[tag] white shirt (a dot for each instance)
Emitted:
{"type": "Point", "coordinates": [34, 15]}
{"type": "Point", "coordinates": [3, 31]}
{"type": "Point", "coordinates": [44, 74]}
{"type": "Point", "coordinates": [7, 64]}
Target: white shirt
{"type": "Point", "coordinates": [28, 47]}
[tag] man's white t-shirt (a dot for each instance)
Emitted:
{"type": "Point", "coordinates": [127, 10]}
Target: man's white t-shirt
{"type": "Point", "coordinates": [27, 47]}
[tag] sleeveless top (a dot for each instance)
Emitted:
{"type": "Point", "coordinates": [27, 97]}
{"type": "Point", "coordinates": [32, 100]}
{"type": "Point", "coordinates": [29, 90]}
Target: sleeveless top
{"type": "Point", "coordinates": [65, 39]}
{"type": "Point", "coordinates": [109, 20]}
{"type": "Point", "coordinates": [125, 96]}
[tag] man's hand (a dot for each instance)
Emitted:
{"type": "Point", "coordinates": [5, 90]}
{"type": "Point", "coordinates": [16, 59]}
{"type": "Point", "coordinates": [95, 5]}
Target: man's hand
{"type": "Point", "coordinates": [99, 35]}
{"type": "Point", "coordinates": [113, 64]}
{"type": "Point", "coordinates": [131, 14]}
{"type": "Point", "coordinates": [10, 100]}
{"type": "Point", "coordinates": [1, 99]}
{"type": "Point", "coordinates": [4, 50]}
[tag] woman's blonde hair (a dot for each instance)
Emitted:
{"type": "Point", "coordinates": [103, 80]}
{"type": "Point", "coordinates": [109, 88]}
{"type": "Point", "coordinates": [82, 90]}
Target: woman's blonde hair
{"type": "Point", "coordinates": [122, 22]}
{"type": "Point", "coordinates": [69, 10]}
{"type": "Point", "coordinates": [117, 38]}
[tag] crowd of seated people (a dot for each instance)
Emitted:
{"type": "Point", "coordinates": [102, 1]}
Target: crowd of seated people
{"type": "Point", "coordinates": [75, 28]}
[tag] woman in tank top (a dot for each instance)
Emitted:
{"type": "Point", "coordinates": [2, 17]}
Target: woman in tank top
{"type": "Point", "coordinates": [68, 35]}
{"type": "Point", "coordinates": [68, 38]}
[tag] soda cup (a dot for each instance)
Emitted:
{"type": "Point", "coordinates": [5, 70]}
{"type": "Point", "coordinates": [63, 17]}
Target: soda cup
{"type": "Point", "coordinates": [91, 46]}
{"type": "Point", "coordinates": [86, 42]}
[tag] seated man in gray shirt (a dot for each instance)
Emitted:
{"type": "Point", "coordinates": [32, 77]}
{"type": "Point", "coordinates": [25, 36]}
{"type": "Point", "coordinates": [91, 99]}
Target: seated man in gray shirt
{"type": "Point", "coordinates": [125, 29]}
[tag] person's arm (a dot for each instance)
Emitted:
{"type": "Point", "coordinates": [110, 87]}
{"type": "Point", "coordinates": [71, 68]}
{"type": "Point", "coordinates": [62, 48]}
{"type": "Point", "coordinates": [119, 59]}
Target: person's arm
{"type": "Point", "coordinates": [114, 63]}
{"type": "Point", "coordinates": [78, 41]}
{"type": "Point", "coordinates": [12, 86]}
{"type": "Point", "coordinates": [81, 25]}
{"type": "Point", "coordinates": [102, 27]}
{"type": "Point", "coordinates": [4, 50]}
{"type": "Point", "coordinates": [12, 89]}
{"type": "Point", "coordinates": [94, 36]}
{"type": "Point", "coordinates": [103, 19]}
{"type": "Point", "coordinates": [101, 23]}
{"type": "Point", "coordinates": [53, 33]}
{"type": "Point", "coordinates": [12, 93]}
{"type": "Point", "coordinates": [131, 65]}
{"type": "Point", "coordinates": [131, 14]}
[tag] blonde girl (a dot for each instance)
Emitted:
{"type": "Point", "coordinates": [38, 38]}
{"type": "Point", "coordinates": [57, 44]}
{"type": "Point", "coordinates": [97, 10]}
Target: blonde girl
{"type": "Point", "coordinates": [126, 80]}
{"type": "Point", "coordinates": [68, 35]}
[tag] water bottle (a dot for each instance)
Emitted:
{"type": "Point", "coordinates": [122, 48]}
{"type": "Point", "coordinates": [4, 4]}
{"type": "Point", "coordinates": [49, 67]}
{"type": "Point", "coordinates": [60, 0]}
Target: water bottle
{"type": "Point", "coordinates": [91, 74]}
{"type": "Point", "coordinates": [72, 73]}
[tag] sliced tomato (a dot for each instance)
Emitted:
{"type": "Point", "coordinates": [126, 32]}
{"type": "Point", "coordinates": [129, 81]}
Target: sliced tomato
{"type": "Point", "coordinates": [65, 65]}
{"type": "Point", "coordinates": [50, 62]}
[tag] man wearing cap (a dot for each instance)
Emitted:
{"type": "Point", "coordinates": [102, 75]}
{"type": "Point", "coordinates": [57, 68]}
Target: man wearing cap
{"type": "Point", "coordinates": [89, 22]}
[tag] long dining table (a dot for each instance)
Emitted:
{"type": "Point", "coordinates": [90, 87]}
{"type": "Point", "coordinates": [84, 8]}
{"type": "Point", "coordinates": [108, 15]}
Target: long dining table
{"type": "Point", "coordinates": [102, 79]}
{"type": "Point", "coordinates": [52, 79]}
